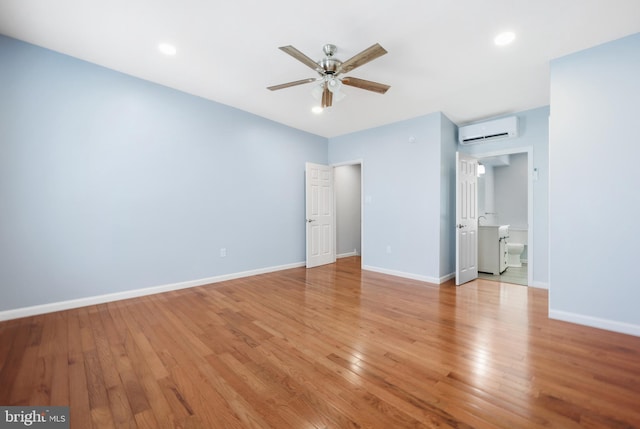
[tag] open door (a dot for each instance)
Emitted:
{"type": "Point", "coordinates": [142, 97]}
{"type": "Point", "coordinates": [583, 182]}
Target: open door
{"type": "Point", "coordinates": [466, 218]}
{"type": "Point", "coordinates": [320, 220]}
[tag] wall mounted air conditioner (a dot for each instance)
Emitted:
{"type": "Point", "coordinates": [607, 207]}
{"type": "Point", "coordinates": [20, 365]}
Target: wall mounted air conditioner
{"type": "Point", "coordinates": [490, 130]}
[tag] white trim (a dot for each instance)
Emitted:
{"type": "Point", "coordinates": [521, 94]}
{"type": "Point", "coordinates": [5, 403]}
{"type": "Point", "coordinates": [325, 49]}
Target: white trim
{"type": "Point", "coordinates": [596, 322]}
{"type": "Point", "coordinates": [345, 163]}
{"type": "Point", "coordinates": [346, 255]}
{"type": "Point", "coordinates": [101, 299]}
{"type": "Point", "coordinates": [433, 280]}
{"type": "Point", "coordinates": [540, 285]}
{"type": "Point", "coordinates": [447, 277]}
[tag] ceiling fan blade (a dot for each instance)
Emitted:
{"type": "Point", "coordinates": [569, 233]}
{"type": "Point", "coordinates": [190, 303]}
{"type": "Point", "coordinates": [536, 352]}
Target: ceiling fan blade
{"type": "Point", "coordinates": [369, 54]}
{"type": "Point", "coordinates": [327, 96]}
{"type": "Point", "coordinates": [380, 88]}
{"type": "Point", "coordinates": [288, 84]}
{"type": "Point", "coordinates": [300, 57]}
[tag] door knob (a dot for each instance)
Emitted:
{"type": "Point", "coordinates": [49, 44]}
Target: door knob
{"type": "Point", "coordinates": [460, 226]}
{"type": "Point", "coordinates": [310, 220]}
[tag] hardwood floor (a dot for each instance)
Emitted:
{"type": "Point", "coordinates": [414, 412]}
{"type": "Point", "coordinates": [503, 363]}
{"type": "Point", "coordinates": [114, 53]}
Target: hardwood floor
{"type": "Point", "coordinates": [329, 347]}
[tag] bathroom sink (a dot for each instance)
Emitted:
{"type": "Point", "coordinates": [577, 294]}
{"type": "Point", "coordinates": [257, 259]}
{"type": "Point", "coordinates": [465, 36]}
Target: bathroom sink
{"type": "Point", "coordinates": [503, 230]}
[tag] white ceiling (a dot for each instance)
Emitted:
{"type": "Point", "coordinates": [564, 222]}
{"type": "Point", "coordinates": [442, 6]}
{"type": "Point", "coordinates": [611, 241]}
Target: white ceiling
{"type": "Point", "coordinates": [441, 52]}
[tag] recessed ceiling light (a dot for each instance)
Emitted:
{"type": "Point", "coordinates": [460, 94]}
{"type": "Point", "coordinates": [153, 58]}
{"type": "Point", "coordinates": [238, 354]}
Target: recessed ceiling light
{"type": "Point", "coordinates": [504, 38]}
{"type": "Point", "coordinates": [317, 110]}
{"type": "Point", "coordinates": [167, 49]}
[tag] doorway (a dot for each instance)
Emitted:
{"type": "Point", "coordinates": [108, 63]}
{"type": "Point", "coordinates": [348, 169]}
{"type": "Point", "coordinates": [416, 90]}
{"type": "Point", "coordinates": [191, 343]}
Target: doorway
{"type": "Point", "coordinates": [348, 206]}
{"type": "Point", "coordinates": [505, 197]}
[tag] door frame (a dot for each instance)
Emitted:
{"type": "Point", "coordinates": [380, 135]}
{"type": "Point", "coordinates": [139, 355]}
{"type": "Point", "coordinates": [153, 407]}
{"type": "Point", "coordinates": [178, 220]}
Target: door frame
{"type": "Point", "coordinates": [360, 162]}
{"type": "Point", "coordinates": [530, 179]}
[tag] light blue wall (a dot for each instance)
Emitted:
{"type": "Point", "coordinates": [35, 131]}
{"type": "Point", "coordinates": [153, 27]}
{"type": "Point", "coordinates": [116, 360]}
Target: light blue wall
{"type": "Point", "coordinates": [534, 133]}
{"type": "Point", "coordinates": [595, 187]}
{"type": "Point", "coordinates": [110, 183]}
{"type": "Point", "coordinates": [403, 179]}
{"type": "Point", "coordinates": [448, 136]}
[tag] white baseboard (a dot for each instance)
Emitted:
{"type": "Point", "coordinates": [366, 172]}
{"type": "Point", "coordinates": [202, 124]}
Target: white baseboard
{"type": "Point", "coordinates": [596, 322]}
{"type": "Point", "coordinates": [346, 255]}
{"type": "Point", "coordinates": [447, 277]}
{"type": "Point", "coordinates": [412, 276]}
{"type": "Point", "coordinates": [101, 299]}
{"type": "Point", "coordinates": [540, 285]}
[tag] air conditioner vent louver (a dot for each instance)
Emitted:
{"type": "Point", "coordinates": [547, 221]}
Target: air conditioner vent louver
{"type": "Point", "coordinates": [491, 130]}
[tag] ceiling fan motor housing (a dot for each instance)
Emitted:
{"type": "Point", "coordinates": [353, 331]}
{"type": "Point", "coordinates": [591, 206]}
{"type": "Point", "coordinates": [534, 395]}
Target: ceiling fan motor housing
{"type": "Point", "coordinates": [329, 64]}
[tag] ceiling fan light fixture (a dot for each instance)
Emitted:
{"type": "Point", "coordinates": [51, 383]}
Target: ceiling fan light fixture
{"type": "Point", "coordinates": [338, 96]}
{"type": "Point", "coordinates": [317, 90]}
{"type": "Point", "coordinates": [317, 109]}
{"type": "Point", "coordinates": [334, 84]}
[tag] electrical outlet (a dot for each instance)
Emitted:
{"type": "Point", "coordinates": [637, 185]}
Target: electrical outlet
{"type": "Point", "coordinates": [223, 252]}
{"type": "Point", "coordinates": [388, 249]}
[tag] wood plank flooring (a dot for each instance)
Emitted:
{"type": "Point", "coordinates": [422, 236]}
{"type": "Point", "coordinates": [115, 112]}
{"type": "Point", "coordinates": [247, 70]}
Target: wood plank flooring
{"type": "Point", "coordinates": [329, 347]}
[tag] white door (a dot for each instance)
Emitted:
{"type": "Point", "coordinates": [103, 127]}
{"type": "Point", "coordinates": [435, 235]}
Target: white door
{"type": "Point", "coordinates": [319, 215]}
{"type": "Point", "coordinates": [466, 218]}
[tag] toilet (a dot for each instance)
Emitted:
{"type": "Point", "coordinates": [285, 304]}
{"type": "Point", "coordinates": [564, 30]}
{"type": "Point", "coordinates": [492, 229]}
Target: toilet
{"type": "Point", "coordinates": [515, 246]}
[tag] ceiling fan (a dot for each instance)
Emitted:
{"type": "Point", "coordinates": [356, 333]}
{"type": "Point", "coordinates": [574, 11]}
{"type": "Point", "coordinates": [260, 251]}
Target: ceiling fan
{"type": "Point", "coordinates": [330, 69]}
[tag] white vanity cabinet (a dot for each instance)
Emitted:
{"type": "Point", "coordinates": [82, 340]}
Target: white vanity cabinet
{"type": "Point", "coordinates": [492, 249]}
